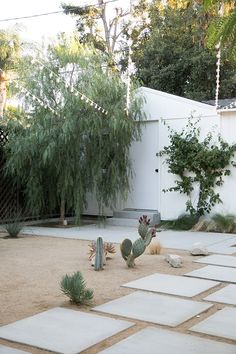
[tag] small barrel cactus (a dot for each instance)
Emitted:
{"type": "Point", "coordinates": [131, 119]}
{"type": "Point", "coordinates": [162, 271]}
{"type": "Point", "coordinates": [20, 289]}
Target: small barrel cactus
{"type": "Point", "coordinates": [129, 250]}
{"type": "Point", "coordinates": [99, 257]}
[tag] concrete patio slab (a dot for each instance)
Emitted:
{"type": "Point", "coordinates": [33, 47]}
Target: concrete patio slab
{"type": "Point", "coordinates": [226, 295]}
{"type": "Point", "coordinates": [184, 240]}
{"type": "Point", "coordinates": [219, 260]}
{"type": "Point", "coordinates": [155, 340]}
{"type": "Point", "coordinates": [154, 308]}
{"type": "Point", "coordinates": [8, 350]}
{"type": "Point", "coordinates": [114, 234]}
{"type": "Point", "coordinates": [224, 274]}
{"type": "Point", "coordinates": [221, 324]}
{"type": "Point", "coordinates": [172, 284]}
{"type": "Point", "coordinates": [62, 330]}
{"type": "Point", "coordinates": [228, 246]}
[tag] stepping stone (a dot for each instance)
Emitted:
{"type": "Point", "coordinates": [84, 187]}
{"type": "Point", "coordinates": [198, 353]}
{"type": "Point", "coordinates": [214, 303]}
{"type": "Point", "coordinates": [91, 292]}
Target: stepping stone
{"type": "Point", "coordinates": [149, 307]}
{"type": "Point", "coordinates": [219, 260]}
{"type": "Point", "coordinates": [226, 295]}
{"type": "Point", "coordinates": [214, 273]}
{"type": "Point", "coordinates": [155, 340]}
{"type": "Point", "coordinates": [225, 247]}
{"type": "Point", "coordinates": [221, 324]}
{"type": "Point", "coordinates": [172, 284]}
{"type": "Point", "coordinates": [8, 350]}
{"type": "Point", "coordinates": [62, 330]}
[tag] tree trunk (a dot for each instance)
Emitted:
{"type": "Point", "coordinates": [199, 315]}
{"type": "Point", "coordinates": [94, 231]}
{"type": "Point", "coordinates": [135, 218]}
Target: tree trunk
{"type": "Point", "coordinates": [62, 211]}
{"type": "Point", "coordinates": [3, 92]}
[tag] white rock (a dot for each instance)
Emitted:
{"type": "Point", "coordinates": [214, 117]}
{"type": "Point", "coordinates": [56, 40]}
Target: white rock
{"type": "Point", "coordinates": [174, 260]}
{"type": "Point", "coordinates": [199, 249]}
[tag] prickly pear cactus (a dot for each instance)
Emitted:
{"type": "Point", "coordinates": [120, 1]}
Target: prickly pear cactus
{"type": "Point", "coordinates": [131, 251]}
{"type": "Point", "coordinates": [125, 248]}
{"type": "Point", "coordinates": [99, 257]}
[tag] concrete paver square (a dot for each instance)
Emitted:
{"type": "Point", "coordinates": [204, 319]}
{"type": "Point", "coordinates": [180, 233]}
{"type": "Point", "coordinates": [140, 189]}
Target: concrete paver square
{"type": "Point", "coordinates": [225, 247]}
{"type": "Point", "coordinates": [8, 350]}
{"type": "Point", "coordinates": [172, 284]}
{"type": "Point", "coordinates": [63, 330]}
{"type": "Point", "coordinates": [221, 324]}
{"type": "Point", "coordinates": [224, 274]}
{"type": "Point", "coordinates": [154, 308]}
{"type": "Point", "coordinates": [155, 340]}
{"type": "Point", "coordinates": [219, 260]}
{"type": "Point", "coordinates": [226, 295]}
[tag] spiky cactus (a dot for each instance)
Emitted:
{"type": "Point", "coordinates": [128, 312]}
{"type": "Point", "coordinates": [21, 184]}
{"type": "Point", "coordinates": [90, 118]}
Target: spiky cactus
{"type": "Point", "coordinates": [129, 250]}
{"type": "Point", "coordinates": [99, 257]}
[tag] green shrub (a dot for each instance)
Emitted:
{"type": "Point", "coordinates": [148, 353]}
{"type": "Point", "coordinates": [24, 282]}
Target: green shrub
{"type": "Point", "coordinates": [74, 287]}
{"type": "Point", "coordinates": [184, 222]}
{"type": "Point", "coordinates": [225, 223]}
{"type": "Point", "coordinates": [14, 227]}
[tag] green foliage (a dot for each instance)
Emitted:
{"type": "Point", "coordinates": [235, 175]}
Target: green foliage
{"type": "Point", "coordinates": [199, 164]}
{"type": "Point", "coordinates": [60, 158]}
{"type": "Point", "coordinates": [172, 54]}
{"type": "Point", "coordinates": [74, 287]}
{"type": "Point", "coordinates": [223, 28]}
{"type": "Point", "coordinates": [184, 222]}
{"type": "Point", "coordinates": [14, 227]}
{"type": "Point", "coordinates": [129, 250]}
{"type": "Point", "coordinates": [225, 223]}
{"type": "Point", "coordinates": [10, 48]}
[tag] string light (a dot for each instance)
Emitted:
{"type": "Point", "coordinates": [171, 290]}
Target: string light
{"type": "Point", "coordinates": [218, 63]}
{"type": "Point", "coordinates": [72, 89]}
{"type": "Point", "coordinates": [34, 98]}
{"type": "Point", "coordinates": [129, 66]}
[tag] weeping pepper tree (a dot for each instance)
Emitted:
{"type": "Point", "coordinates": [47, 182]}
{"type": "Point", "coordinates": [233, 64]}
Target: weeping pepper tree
{"type": "Point", "coordinates": [63, 152]}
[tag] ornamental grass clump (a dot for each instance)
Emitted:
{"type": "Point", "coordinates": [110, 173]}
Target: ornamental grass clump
{"type": "Point", "coordinates": [74, 286]}
{"type": "Point", "coordinates": [224, 223]}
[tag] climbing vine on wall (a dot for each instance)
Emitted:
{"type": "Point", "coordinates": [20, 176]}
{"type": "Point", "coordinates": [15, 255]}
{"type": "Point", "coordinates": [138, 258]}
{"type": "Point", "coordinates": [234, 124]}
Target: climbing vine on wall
{"type": "Point", "coordinates": [198, 163]}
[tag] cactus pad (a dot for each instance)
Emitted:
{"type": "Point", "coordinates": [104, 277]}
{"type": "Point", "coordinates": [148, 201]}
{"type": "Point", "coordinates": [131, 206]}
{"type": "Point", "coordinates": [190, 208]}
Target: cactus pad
{"type": "Point", "coordinates": [125, 248]}
{"type": "Point", "coordinates": [138, 247]}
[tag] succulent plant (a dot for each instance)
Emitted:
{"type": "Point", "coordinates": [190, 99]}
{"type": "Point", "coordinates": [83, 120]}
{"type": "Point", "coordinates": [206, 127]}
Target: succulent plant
{"type": "Point", "coordinates": [107, 246]}
{"type": "Point", "coordinates": [129, 250]}
{"type": "Point", "coordinates": [99, 257]}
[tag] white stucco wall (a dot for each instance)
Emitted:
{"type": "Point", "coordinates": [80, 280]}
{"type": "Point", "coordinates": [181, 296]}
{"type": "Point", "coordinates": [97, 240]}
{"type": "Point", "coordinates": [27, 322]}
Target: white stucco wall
{"type": "Point", "coordinates": [146, 184]}
{"type": "Point", "coordinates": [227, 191]}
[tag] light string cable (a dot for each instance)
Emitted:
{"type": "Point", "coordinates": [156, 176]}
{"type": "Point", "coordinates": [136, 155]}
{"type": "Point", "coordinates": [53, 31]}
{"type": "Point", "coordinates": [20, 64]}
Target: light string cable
{"type": "Point", "coordinates": [76, 92]}
{"type": "Point", "coordinates": [218, 63]}
{"type": "Point", "coordinates": [34, 98]}
{"type": "Point", "coordinates": [129, 66]}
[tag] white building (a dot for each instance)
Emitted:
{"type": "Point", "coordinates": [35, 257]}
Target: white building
{"type": "Point", "coordinates": [151, 173]}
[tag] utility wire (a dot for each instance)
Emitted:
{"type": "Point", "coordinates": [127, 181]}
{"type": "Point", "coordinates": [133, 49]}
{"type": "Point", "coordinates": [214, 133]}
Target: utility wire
{"type": "Point", "coordinates": [52, 13]}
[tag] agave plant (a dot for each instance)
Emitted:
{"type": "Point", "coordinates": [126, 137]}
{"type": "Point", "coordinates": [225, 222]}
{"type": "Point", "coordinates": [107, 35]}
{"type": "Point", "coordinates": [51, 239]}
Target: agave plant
{"type": "Point", "coordinates": [14, 227]}
{"type": "Point", "coordinates": [74, 286]}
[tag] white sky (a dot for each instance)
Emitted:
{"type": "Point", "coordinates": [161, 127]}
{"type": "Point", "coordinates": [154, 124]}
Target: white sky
{"type": "Point", "coordinates": [45, 27]}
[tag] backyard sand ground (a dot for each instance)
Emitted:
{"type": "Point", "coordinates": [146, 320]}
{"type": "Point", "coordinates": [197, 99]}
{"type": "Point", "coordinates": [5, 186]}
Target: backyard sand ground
{"type": "Point", "coordinates": [32, 267]}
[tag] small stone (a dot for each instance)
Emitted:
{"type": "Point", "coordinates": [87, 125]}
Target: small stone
{"type": "Point", "coordinates": [93, 261]}
{"type": "Point", "coordinates": [174, 260]}
{"type": "Point", "coordinates": [199, 249]}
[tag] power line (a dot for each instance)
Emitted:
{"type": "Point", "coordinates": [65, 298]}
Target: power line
{"type": "Point", "coordinates": [51, 13]}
